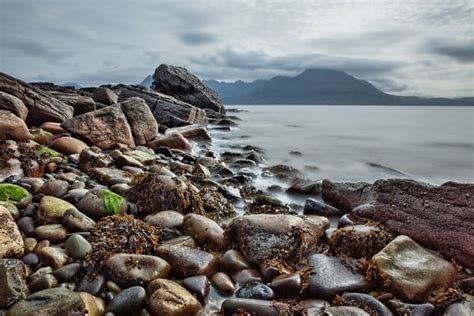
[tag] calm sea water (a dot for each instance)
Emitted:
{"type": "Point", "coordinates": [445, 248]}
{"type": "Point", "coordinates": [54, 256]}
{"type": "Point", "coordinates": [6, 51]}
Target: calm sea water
{"type": "Point", "coordinates": [361, 143]}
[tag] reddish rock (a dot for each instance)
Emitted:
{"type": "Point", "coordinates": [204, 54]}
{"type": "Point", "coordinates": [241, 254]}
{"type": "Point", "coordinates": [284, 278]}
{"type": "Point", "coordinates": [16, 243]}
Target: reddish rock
{"type": "Point", "coordinates": [343, 196]}
{"type": "Point", "coordinates": [68, 145]}
{"type": "Point", "coordinates": [175, 141]}
{"type": "Point", "coordinates": [53, 127]}
{"type": "Point", "coordinates": [13, 127]}
{"type": "Point", "coordinates": [104, 128]}
{"type": "Point", "coordinates": [439, 217]}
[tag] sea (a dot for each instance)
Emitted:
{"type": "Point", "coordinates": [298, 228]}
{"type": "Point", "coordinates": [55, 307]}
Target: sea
{"type": "Point", "coordinates": [433, 144]}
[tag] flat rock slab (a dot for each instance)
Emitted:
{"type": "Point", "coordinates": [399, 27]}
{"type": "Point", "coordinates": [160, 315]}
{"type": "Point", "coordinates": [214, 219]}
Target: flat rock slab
{"type": "Point", "coordinates": [439, 217]}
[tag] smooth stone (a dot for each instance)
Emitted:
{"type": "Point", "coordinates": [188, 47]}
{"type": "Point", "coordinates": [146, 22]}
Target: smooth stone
{"type": "Point", "coordinates": [40, 245]}
{"type": "Point", "coordinates": [243, 306]}
{"type": "Point", "coordinates": [206, 232]}
{"type": "Point", "coordinates": [68, 145]}
{"type": "Point", "coordinates": [74, 220]}
{"type": "Point", "coordinates": [15, 213]}
{"type": "Point", "coordinates": [245, 276]}
{"type": "Point", "coordinates": [75, 195]}
{"type": "Point", "coordinates": [255, 290]}
{"type": "Point", "coordinates": [112, 286]}
{"type": "Point", "coordinates": [52, 232]}
{"type": "Point", "coordinates": [287, 285]}
{"type": "Point", "coordinates": [463, 308]}
{"type": "Point", "coordinates": [412, 271]}
{"type": "Point", "coordinates": [30, 259]}
{"type": "Point", "coordinates": [366, 300]}
{"type": "Point", "coordinates": [186, 261]}
{"type": "Point", "coordinates": [270, 270]}
{"type": "Point", "coordinates": [184, 241]}
{"type": "Point", "coordinates": [344, 311]}
{"type": "Point", "coordinates": [233, 261]}
{"type": "Point", "coordinates": [45, 282]}
{"type": "Point", "coordinates": [223, 283]}
{"type": "Point", "coordinates": [67, 273]}
{"type": "Point", "coordinates": [11, 242]}
{"type": "Point", "coordinates": [93, 286]}
{"type": "Point", "coordinates": [26, 225]}
{"type": "Point", "coordinates": [40, 273]}
{"type": "Point", "coordinates": [144, 269]}
{"type": "Point", "coordinates": [92, 204]}
{"type": "Point", "coordinates": [30, 244]}
{"type": "Point", "coordinates": [12, 127]}
{"type": "Point", "coordinates": [128, 301]}
{"type": "Point", "coordinates": [175, 141]}
{"type": "Point", "coordinates": [93, 307]}
{"type": "Point", "coordinates": [55, 188]}
{"type": "Point", "coordinates": [13, 282]}
{"type": "Point", "coordinates": [13, 104]}
{"type": "Point", "coordinates": [50, 302]}
{"type": "Point", "coordinates": [168, 298]}
{"type": "Point", "coordinates": [165, 219]}
{"type": "Point", "coordinates": [330, 277]}
{"type": "Point", "coordinates": [198, 286]}
{"type": "Point", "coordinates": [400, 308]}
{"type": "Point", "coordinates": [77, 246]}
{"type": "Point", "coordinates": [313, 206]}
{"type": "Point", "coordinates": [53, 256]}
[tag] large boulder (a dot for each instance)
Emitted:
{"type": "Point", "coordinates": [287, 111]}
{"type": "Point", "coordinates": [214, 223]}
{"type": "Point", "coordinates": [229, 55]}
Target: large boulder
{"type": "Point", "coordinates": [440, 217]}
{"type": "Point", "coordinates": [81, 104]}
{"type": "Point", "coordinates": [343, 195]}
{"type": "Point", "coordinates": [11, 103]}
{"type": "Point", "coordinates": [105, 95]}
{"type": "Point", "coordinates": [181, 84]}
{"type": "Point", "coordinates": [13, 127]}
{"type": "Point", "coordinates": [167, 110]}
{"type": "Point", "coordinates": [142, 122]}
{"type": "Point", "coordinates": [104, 128]}
{"type": "Point", "coordinates": [42, 106]}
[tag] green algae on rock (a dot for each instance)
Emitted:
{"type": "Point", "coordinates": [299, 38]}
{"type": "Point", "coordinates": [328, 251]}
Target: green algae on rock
{"type": "Point", "coordinates": [12, 192]}
{"type": "Point", "coordinates": [112, 202]}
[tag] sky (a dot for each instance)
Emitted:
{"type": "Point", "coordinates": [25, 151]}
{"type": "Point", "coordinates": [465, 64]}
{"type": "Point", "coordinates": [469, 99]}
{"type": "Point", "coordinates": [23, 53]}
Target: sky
{"type": "Point", "coordinates": [408, 47]}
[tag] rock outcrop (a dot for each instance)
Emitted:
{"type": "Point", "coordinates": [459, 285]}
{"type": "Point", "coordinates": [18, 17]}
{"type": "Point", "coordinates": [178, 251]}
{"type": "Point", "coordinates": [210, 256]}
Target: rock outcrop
{"type": "Point", "coordinates": [440, 217]}
{"type": "Point", "coordinates": [181, 84]}
{"type": "Point", "coordinates": [142, 122]}
{"type": "Point", "coordinates": [167, 110]}
{"type": "Point", "coordinates": [42, 106]}
{"type": "Point", "coordinates": [11, 103]}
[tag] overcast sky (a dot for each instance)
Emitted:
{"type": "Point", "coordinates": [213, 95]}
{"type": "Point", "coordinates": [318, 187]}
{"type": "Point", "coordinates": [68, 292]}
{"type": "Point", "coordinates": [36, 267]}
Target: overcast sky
{"type": "Point", "coordinates": [403, 47]}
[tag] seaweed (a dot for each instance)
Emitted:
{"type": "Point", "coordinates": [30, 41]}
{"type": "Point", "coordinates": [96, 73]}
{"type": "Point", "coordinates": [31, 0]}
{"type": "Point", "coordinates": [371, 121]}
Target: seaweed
{"type": "Point", "coordinates": [112, 202]}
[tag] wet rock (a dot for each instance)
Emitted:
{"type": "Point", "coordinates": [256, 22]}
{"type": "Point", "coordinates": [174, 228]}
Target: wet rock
{"type": "Point", "coordinates": [42, 106]}
{"type": "Point", "coordinates": [260, 237]}
{"type": "Point", "coordinates": [175, 141]}
{"type": "Point", "coordinates": [52, 209]}
{"type": "Point", "coordinates": [74, 220]}
{"type": "Point", "coordinates": [440, 217]}
{"type": "Point", "coordinates": [287, 285]}
{"type": "Point", "coordinates": [103, 128]}
{"type": "Point", "coordinates": [11, 103]}
{"type": "Point", "coordinates": [129, 269]}
{"type": "Point", "coordinates": [77, 246]}
{"type": "Point", "coordinates": [300, 186]}
{"type": "Point", "coordinates": [359, 241]}
{"type": "Point", "coordinates": [128, 301]}
{"type": "Point", "coordinates": [12, 279]}
{"type": "Point", "coordinates": [186, 261]}
{"type": "Point", "coordinates": [198, 286]}
{"type": "Point", "coordinates": [51, 232]}
{"type": "Point", "coordinates": [53, 256]}
{"type": "Point", "coordinates": [105, 96]}
{"type": "Point", "coordinates": [93, 286]}
{"type": "Point", "coordinates": [399, 308]}
{"type": "Point", "coordinates": [283, 172]}
{"type": "Point", "coordinates": [223, 283]}
{"type": "Point", "coordinates": [236, 306]}
{"type": "Point", "coordinates": [233, 260]}
{"type": "Point", "coordinates": [68, 145]}
{"type": "Point", "coordinates": [411, 271]}
{"type": "Point", "coordinates": [11, 242]}
{"type": "Point", "coordinates": [330, 277]}
{"type": "Point", "coordinates": [255, 290]}
{"type": "Point", "coordinates": [13, 127]}
{"type": "Point", "coordinates": [192, 132]}
{"type": "Point", "coordinates": [464, 308]}
{"type": "Point", "coordinates": [343, 196]}
{"type": "Point", "coordinates": [45, 282]}
{"type": "Point", "coordinates": [143, 124]}
{"type": "Point", "coordinates": [165, 219]}
{"type": "Point", "coordinates": [369, 303]}
{"type": "Point", "coordinates": [168, 298]}
{"type": "Point", "coordinates": [67, 273]}
{"type": "Point", "coordinates": [344, 311]}
{"type": "Point", "coordinates": [312, 206]}
{"type": "Point", "coordinates": [206, 232]}
{"type": "Point", "coordinates": [50, 302]}
{"type": "Point", "coordinates": [245, 276]}
{"type": "Point", "coordinates": [179, 83]}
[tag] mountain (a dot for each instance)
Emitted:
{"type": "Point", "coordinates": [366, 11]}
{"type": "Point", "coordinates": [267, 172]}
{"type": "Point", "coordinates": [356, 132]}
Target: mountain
{"type": "Point", "coordinates": [72, 84]}
{"type": "Point", "coordinates": [147, 82]}
{"type": "Point", "coordinates": [318, 86]}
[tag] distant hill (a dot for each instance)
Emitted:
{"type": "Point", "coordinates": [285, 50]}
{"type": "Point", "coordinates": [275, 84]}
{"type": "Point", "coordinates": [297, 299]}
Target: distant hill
{"type": "Point", "coordinates": [72, 84]}
{"type": "Point", "coordinates": [317, 86]}
{"type": "Point", "coordinates": [147, 82]}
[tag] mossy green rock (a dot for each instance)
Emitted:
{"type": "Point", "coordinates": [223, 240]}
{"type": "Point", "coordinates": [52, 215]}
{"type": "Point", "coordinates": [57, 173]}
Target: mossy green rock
{"type": "Point", "coordinates": [13, 192]}
{"type": "Point", "coordinates": [45, 151]}
{"type": "Point", "coordinates": [52, 209]}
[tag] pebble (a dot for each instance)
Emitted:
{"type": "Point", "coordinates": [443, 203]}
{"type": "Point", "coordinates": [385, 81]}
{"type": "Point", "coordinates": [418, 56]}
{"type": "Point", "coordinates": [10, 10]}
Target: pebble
{"type": "Point", "coordinates": [368, 301]}
{"type": "Point", "coordinates": [127, 301]}
{"type": "Point", "coordinates": [67, 273]}
{"type": "Point", "coordinates": [233, 260]}
{"type": "Point", "coordinates": [77, 246]}
{"type": "Point", "coordinates": [93, 286]}
{"type": "Point", "coordinates": [312, 206]}
{"type": "Point", "coordinates": [74, 220]}
{"type": "Point", "coordinates": [56, 188]}
{"type": "Point", "coordinates": [53, 256]}
{"type": "Point", "coordinates": [165, 219]}
{"type": "Point", "coordinates": [198, 286]}
{"type": "Point", "coordinates": [242, 277]}
{"type": "Point", "coordinates": [45, 282]}
{"type": "Point", "coordinates": [26, 225]}
{"type": "Point", "coordinates": [255, 290]}
{"type": "Point", "coordinates": [239, 306]}
{"type": "Point", "coordinates": [206, 232]}
{"type": "Point", "coordinates": [51, 209]}
{"type": "Point", "coordinates": [30, 259]}
{"type": "Point", "coordinates": [223, 283]}
{"type": "Point", "coordinates": [287, 285]}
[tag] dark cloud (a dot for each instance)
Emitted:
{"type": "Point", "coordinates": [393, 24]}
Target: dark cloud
{"type": "Point", "coordinates": [34, 48]}
{"type": "Point", "coordinates": [461, 52]}
{"type": "Point", "coordinates": [201, 38]}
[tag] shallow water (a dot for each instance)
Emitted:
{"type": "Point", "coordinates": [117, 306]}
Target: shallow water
{"type": "Point", "coordinates": [361, 143]}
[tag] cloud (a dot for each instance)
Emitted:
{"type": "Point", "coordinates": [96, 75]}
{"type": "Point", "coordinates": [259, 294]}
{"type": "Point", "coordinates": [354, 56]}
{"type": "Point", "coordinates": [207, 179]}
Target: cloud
{"type": "Point", "coordinates": [34, 48]}
{"type": "Point", "coordinates": [195, 38]}
{"type": "Point", "coordinates": [462, 52]}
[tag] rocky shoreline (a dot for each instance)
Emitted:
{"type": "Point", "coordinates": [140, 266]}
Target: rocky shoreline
{"type": "Point", "coordinates": [113, 202]}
